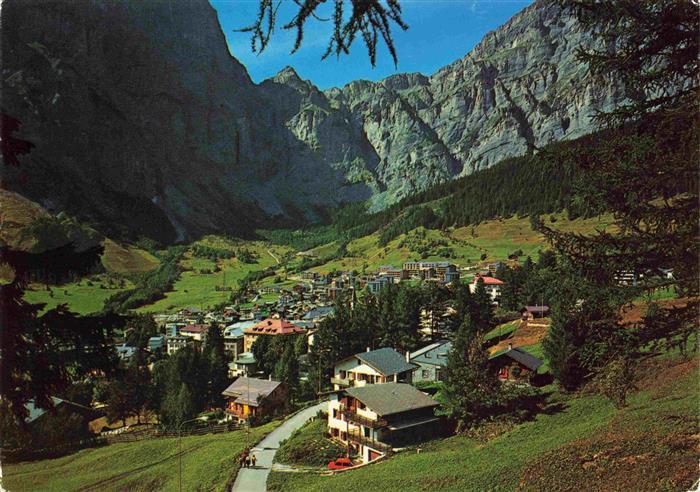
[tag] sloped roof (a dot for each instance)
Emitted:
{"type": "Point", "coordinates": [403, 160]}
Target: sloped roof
{"type": "Point", "coordinates": [520, 355]}
{"type": "Point", "coordinates": [536, 309]}
{"type": "Point", "coordinates": [386, 360]}
{"type": "Point", "coordinates": [318, 312]}
{"type": "Point", "coordinates": [391, 398]}
{"type": "Point", "coordinates": [195, 328]}
{"type": "Point", "coordinates": [274, 326]}
{"type": "Point", "coordinates": [487, 280]}
{"type": "Point", "coordinates": [250, 391]}
{"type": "Point", "coordinates": [430, 354]}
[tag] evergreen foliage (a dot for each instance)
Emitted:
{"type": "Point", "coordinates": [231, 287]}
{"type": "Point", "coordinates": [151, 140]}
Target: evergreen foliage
{"type": "Point", "coordinates": [471, 390]}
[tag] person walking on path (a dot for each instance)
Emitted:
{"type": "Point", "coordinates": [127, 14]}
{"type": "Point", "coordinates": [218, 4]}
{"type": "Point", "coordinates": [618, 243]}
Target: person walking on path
{"type": "Point", "coordinates": [255, 479]}
{"type": "Point", "coordinates": [253, 460]}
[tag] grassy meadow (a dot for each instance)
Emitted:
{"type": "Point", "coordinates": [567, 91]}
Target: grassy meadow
{"type": "Point", "coordinates": [208, 462]}
{"type": "Point", "coordinates": [578, 442]}
{"type": "Point", "coordinates": [197, 285]}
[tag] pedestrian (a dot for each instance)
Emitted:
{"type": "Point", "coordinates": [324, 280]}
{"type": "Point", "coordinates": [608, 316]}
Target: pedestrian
{"type": "Point", "coordinates": [241, 461]}
{"type": "Point", "coordinates": [254, 460]}
{"type": "Point", "coordinates": [247, 461]}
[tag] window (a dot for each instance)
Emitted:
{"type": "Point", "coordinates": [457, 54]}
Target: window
{"type": "Point", "coordinates": [335, 413]}
{"type": "Point", "coordinates": [342, 374]}
{"type": "Point", "coordinates": [365, 431]}
{"type": "Point", "coordinates": [425, 374]}
{"type": "Point", "coordinates": [361, 405]}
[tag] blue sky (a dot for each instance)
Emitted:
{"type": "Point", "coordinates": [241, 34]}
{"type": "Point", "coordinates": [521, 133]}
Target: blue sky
{"type": "Point", "coordinates": [440, 31]}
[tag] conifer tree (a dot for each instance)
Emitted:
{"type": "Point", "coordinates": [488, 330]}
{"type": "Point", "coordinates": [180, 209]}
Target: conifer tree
{"type": "Point", "coordinates": [471, 389]}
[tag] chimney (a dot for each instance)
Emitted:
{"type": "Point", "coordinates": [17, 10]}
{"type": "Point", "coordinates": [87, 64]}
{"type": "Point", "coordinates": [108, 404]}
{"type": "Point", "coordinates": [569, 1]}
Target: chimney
{"type": "Point", "coordinates": [510, 346]}
{"type": "Point", "coordinates": [269, 378]}
{"type": "Point", "coordinates": [408, 356]}
{"type": "Point", "coordinates": [367, 349]}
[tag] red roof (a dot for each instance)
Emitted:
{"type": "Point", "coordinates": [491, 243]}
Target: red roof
{"type": "Point", "coordinates": [195, 328]}
{"type": "Point", "coordinates": [488, 280]}
{"type": "Point", "coordinates": [274, 326]}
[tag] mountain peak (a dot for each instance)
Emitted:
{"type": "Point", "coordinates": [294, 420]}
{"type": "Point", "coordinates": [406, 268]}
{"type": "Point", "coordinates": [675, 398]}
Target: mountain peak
{"type": "Point", "coordinates": [286, 75]}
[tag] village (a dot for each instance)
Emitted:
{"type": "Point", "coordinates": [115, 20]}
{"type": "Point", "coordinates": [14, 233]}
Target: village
{"type": "Point", "coordinates": [379, 400]}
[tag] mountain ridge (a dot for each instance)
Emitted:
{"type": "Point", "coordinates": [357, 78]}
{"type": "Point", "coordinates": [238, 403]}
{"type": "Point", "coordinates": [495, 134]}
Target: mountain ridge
{"type": "Point", "coordinates": [146, 125]}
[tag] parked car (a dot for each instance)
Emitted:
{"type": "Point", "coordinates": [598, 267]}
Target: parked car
{"type": "Point", "coordinates": [340, 464]}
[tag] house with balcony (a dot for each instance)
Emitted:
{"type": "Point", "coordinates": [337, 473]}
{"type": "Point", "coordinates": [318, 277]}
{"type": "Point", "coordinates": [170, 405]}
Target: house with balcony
{"type": "Point", "coordinates": [384, 365]}
{"type": "Point", "coordinates": [252, 397]}
{"type": "Point", "coordinates": [373, 419]}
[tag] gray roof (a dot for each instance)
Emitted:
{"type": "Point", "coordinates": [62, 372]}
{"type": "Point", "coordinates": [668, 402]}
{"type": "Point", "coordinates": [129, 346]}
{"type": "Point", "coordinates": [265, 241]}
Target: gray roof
{"type": "Point", "coordinates": [317, 312]}
{"type": "Point", "coordinates": [386, 360]}
{"type": "Point", "coordinates": [391, 398]}
{"type": "Point", "coordinates": [518, 354]}
{"type": "Point", "coordinates": [435, 353]}
{"type": "Point", "coordinates": [250, 390]}
{"type": "Point", "coordinates": [536, 309]}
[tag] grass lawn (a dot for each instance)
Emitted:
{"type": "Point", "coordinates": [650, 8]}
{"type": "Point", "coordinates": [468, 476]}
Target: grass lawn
{"type": "Point", "coordinates": [127, 259]}
{"type": "Point", "coordinates": [79, 296]}
{"type": "Point", "coordinates": [198, 289]}
{"type": "Point", "coordinates": [308, 446]}
{"type": "Point", "coordinates": [494, 239]}
{"type": "Point", "coordinates": [580, 443]}
{"type": "Point", "coordinates": [208, 462]}
{"type": "Point", "coordinates": [502, 331]}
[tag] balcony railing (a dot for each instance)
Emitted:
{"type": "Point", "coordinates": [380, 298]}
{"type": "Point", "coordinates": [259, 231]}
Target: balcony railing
{"type": "Point", "coordinates": [341, 381]}
{"type": "Point", "coordinates": [359, 419]}
{"type": "Point", "coordinates": [372, 443]}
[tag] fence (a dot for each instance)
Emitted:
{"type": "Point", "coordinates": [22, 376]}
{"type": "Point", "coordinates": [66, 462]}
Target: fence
{"type": "Point", "coordinates": [150, 432]}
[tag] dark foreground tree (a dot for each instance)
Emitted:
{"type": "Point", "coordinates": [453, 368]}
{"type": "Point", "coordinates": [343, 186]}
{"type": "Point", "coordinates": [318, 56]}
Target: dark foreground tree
{"type": "Point", "coordinates": [369, 20]}
{"type": "Point", "coordinates": [655, 51]}
{"type": "Point", "coordinates": [647, 177]}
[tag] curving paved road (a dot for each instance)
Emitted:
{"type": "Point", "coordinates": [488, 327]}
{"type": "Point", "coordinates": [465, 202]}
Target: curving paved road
{"type": "Point", "coordinates": [255, 479]}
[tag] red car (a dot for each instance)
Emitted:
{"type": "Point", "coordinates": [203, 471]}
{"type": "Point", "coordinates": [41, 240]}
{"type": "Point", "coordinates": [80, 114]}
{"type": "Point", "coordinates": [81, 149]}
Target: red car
{"type": "Point", "coordinates": [340, 464]}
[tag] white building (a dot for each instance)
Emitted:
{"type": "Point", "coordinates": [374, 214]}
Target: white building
{"type": "Point", "coordinates": [384, 365]}
{"type": "Point", "coordinates": [491, 284]}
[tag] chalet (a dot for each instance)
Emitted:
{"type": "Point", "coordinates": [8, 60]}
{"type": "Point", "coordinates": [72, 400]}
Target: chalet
{"type": "Point", "coordinates": [195, 332]}
{"type": "Point", "coordinates": [173, 344]}
{"type": "Point", "coordinates": [532, 312]}
{"type": "Point", "coordinates": [251, 397]}
{"type": "Point", "coordinates": [514, 364]}
{"type": "Point", "coordinates": [430, 361]}
{"type": "Point", "coordinates": [269, 327]}
{"type": "Point", "coordinates": [491, 284]}
{"type": "Point", "coordinates": [378, 366]}
{"type": "Point", "coordinates": [373, 419]}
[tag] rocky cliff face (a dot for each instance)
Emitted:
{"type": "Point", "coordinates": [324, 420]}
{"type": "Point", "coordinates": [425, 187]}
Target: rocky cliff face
{"type": "Point", "coordinates": [519, 89]}
{"type": "Point", "coordinates": [145, 125]}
